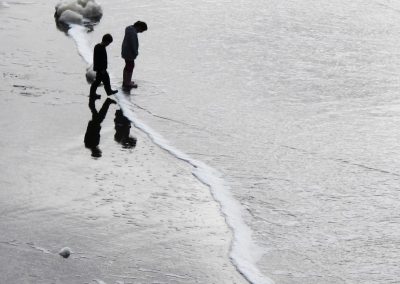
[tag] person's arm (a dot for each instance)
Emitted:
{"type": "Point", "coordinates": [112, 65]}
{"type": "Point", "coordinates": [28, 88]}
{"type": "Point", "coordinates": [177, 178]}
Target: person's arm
{"type": "Point", "coordinates": [133, 43]}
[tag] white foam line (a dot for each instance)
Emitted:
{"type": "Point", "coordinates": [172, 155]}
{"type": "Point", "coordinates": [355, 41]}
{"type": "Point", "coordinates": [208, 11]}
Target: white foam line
{"type": "Point", "coordinates": [244, 252]}
{"type": "Point", "coordinates": [78, 33]}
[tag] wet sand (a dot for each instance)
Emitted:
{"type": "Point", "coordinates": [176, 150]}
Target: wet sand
{"type": "Point", "coordinates": [132, 216]}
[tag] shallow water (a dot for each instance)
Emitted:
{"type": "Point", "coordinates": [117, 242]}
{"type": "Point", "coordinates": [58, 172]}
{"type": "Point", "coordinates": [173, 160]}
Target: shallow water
{"type": "Point", "coordinates": [296, 104]}
{"type": "Point", "coordinates": [134, 215]}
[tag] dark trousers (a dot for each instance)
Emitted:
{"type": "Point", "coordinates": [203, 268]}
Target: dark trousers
{"type": "Point", "coordinates": [129, 65]}
{"type": "Point", "coordinates": [101, 76]}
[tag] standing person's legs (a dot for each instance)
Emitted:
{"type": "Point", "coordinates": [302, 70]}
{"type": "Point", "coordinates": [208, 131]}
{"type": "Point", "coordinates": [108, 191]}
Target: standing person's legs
{"type": "Point", "coordinates": [105, 78]}
{"type": "Point", "coordinates": [128, 70]}
{"type": "Point", "coordinates": [95, 84]}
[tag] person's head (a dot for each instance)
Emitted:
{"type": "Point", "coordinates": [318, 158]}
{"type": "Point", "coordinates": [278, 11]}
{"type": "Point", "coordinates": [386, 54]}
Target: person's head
{"type": "Point", "coordinates": [107, 39]}
{"type": "Point", "coordinates": [140, 26]}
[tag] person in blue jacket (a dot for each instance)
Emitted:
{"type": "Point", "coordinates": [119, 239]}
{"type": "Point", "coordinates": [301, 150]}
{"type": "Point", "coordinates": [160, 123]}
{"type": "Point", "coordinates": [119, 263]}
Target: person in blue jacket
{"type": "Point", "coordinates": [130, 50]}
{"type": "Point", "coordinates": [100, 66]}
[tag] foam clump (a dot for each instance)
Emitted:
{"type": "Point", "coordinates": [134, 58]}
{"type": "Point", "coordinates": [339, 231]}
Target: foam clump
{"type": "Point", "coordinates": [90, 74]}
{"type": "Point", "coordinates": [65, 252]}
{"type": "Point", "coordinates": [77, 11]}
{"type": "Point", "coordinates": [71, 17]}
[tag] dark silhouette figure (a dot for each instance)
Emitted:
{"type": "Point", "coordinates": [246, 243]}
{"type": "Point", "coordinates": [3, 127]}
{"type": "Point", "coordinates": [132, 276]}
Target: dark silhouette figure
{"type": "Point", "coordinates": [129, 52]}
{"type": "Point", "coordinates": [100, 67]}
{"type": "Point", "coordinates": [92, 135]}
{"type": "Point", "coordinates": [122, 129]}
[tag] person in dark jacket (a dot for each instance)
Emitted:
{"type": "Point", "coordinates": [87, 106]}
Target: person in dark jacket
{"type": "Point", "coordinates": [100, 67]}
{"type": "Point", "coordinates": [130, 50]}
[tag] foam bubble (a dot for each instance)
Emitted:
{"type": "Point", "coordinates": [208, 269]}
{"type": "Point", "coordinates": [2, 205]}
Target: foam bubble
{"type": "Point", "coordinates": [75, 12]}
{"type": "Point", "coordinates": [71, 17]}
{"type": "Point", "coordinates": [90, 74]}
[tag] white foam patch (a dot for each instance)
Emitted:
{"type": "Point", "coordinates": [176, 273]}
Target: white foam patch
{"type": "Point", "coordinates": [71, 17]}
{"type": "Point", "coordinates": [69, 11]}
{"type": "Point", "coordinates": [244, 252]}
{"type": "Point", "coordinates": [75, 14]}
{"type": "Point", "coordinates": [4, 4]}
{"type": "Point", "coordinates": [78, 33]}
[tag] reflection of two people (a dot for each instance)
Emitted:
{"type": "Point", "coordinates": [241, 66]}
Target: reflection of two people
{"type": "Point", "coordinates": [122, 127]}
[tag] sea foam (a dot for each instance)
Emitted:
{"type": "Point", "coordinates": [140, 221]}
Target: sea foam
{"type": "Point", "coordinates": [71, 17]}
{"type": "Point", "coordinates": [244, 252]}
{"type": "Point", "coordinates": [70, 12]}
{"type": "Point", "coordinates": [78, 33]}
{"type": "Point", "coordinates": [76, 18]}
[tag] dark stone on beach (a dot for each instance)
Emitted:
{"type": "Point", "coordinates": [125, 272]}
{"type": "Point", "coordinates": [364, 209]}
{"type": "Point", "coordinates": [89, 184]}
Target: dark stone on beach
{"type": "Point", "coordinates": [65, 252]}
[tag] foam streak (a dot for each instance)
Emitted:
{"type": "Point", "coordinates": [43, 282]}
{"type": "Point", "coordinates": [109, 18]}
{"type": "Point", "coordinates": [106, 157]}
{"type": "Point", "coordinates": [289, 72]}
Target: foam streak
{"type": "Point", "coordinates": [244, 252]}
{"type": "Point", "coordinates": [78, 33]}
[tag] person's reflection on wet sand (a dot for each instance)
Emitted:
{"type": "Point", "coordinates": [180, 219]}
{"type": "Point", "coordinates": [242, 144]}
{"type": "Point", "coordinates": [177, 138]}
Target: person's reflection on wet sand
{"type": "Point", "coordinates": [92, 135]}
{"type": "Point", "coordinates": [122, 129]}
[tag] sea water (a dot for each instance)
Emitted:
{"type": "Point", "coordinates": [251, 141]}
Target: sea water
{"type": "Point", "coordinates": [293, 106]}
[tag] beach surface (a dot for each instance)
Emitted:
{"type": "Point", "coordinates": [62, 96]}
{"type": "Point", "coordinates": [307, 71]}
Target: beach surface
{"type": "Point", "coordinates": [133, 215]}
{"type": "Point", "coordinates": [266, 144]}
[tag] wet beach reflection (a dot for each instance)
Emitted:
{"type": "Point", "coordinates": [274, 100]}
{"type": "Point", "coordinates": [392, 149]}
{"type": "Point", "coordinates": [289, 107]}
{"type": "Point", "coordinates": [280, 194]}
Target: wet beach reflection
{"type": "Point", "coordinates": [92, 135]}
